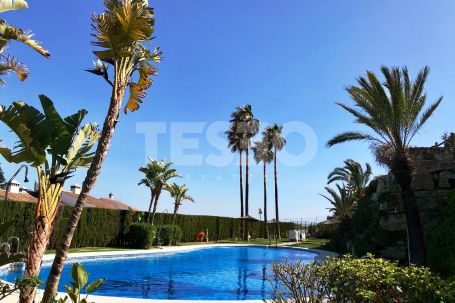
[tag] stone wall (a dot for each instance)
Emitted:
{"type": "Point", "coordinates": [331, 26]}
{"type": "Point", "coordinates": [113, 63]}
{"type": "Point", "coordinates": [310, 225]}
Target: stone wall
{"type": "Point", "coordinates": [435, 168]}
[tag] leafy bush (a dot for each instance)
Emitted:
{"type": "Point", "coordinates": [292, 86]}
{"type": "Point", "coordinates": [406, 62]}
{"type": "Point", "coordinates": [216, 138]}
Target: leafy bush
{"type": "Point", "coordinates": [78, 285]}
{"type": "Point", "coordinates": [142, 235]}
{"type": "Point", "coordinates": [169, 234]}
{"type": "Point", "coordinates": [358, 280]}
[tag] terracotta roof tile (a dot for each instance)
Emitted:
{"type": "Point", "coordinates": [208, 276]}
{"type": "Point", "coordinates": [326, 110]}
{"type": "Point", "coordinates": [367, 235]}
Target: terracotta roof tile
{"type": "Point", "coordinates": [91, 201]}
{"type": "Point", "coordinates": [19, 197]}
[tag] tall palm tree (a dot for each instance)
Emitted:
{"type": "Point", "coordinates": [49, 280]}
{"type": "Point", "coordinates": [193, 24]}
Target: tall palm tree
{"type": "Point", "coordinates": [123, 32]}
{"type": "Point", "coordinates": [150, 171]}
{"type": "Point", "coordinates": [276, 142]}
{"type": "Point", "coordinates": [157, 176]}
{"type": "Point", "coordinates": [263, 153]}
{"type": "Point", "coordinates": [343, 203]}
{"type": "Point", "coordinates": [394, 112]}
{"type": "Point", "coordinates": [353, 175]}
{"type": "Point", "coordinates": [179, 193]}
{"type": "Point", "coordinates": [55, 147]}
{"type": "Point", "coordinates": [10, 32]}
{"type": "Point", "coordinates": [247, 126]}
{"type": "Point", "coordinates": [238, 143]}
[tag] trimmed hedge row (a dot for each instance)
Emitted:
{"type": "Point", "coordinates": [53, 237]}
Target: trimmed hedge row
{"type": "Point", "coordinates": [105, 227]}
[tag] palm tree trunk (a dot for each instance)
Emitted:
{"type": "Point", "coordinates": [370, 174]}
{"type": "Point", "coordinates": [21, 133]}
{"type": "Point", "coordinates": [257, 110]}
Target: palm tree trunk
{"type": "Point", "coordinates": [92, 174]}
{"type": "Point", "coordinates": [176, 208]}
{"type": "Point", "coordinates": [150, 206]}
{"type": "Point", "coordinates": [155, 205]}
{"type": "Point", "coordinates": [265, 201]}
{"type": "Point", "coordinates": [46, 212]}
{"type": "Point", "coordinates": [403, 170]}
{"type": "Point", "coordinates": [247, 190]}
{"type": "Point", "coordinates": [277, 215]}
{"type": "Point", "coordinates": [242, 213]}
{"type": "Point", "coordinates": [416, 243]}
{"type": "Point", "coordinates": [36, 249]}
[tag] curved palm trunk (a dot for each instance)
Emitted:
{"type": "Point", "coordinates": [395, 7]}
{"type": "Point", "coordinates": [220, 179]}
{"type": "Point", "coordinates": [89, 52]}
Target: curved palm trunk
{"type": "Point", "coordinates": [92, 174]}
{"type": "Point", "coordinates": [242, 213]}
{"type": "Point", "coordinates": [247, 190]}
{"type": "Point", "coordinates": [176, 208]}
{"type": "Point", "coordinates": [277, 215]}
{"type": "Point", "coordinates": [265, 201]}
{"type": "Point", "coordinates": [403, 170]}
{"type": "Point", "coordinates": [155, 205]}
{"type": "Point", "coordinates": [150, 206]}
{"type": "Point", "coordinates": [46, 212]}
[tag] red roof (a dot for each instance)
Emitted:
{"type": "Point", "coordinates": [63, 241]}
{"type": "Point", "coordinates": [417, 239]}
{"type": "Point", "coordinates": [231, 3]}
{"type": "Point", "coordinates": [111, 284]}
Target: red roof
{"type": "Point", "coordinates": [70, 198]}
{"type": "Point", "coordinates": [19, 197]}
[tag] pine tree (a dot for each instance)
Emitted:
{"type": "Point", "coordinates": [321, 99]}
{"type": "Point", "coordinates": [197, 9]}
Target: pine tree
{"type": "Point", "coordinates": [2, 176]}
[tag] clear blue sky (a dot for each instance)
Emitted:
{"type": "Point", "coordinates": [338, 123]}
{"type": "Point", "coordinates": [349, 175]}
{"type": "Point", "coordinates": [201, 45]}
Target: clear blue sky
{"type": "Point", "coordinates": [290, 60]}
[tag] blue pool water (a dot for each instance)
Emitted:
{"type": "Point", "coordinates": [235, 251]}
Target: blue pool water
{"type": "Point", "coordinates": [216, 273]}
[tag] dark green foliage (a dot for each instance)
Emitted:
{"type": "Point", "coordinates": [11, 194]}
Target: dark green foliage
{"type": "Point", "coordinates": [365, 233]}
{"type": "Point", "coordinates": [441, 239]}
{"type": "Point", "coordinates": [169, 234]}
{"type": "Point", "coordinates": [2, 176]}
{"type": "Point", "coordinates": [141, 235]}
{"type": "Point", "coordinates": [104, 227]}
{"type": "Point", "coordinates": [348, 279]}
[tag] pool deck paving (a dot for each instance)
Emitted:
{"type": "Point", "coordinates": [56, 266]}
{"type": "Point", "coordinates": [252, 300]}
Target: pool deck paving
{"type": "Point", "coordinates": [105, 299]}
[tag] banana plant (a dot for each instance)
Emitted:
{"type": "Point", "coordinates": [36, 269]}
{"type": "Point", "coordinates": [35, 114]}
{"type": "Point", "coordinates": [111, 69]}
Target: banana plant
{"type": "Point", "coordinates": [55, 147]}
{"type": "Point", "coordinates": [10, 32]}
{"type": "Point", "coordinates": [79, 283]}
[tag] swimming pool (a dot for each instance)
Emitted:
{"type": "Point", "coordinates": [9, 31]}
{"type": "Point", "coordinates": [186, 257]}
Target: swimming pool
{"type": "Point", "coordinates": [214, 273]}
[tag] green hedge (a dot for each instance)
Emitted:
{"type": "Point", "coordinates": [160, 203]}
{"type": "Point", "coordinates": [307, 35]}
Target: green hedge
{"type": "Point", "coordinates": [104, 227]}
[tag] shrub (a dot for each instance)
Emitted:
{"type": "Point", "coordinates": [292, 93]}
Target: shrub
{"type": "Point", "coordinates": [358, 280]}
{"type": "Point", "coordinates": [141, 235]}
{"type": "Point", "coordinates": [169, 234]}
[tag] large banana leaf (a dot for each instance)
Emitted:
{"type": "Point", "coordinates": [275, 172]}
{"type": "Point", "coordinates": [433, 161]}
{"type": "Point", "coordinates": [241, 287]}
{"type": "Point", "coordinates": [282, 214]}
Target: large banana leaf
{"type": "Point", "coordinates": [79, 154]}
{"type": "Point", "coordinates": [26, 122]}
{"type": "Point", "coordinates": [62, 130]}
{"type": "Point", "coordinates": [8, 5]}
{"type": "Point", "coordinates": [43, 134]}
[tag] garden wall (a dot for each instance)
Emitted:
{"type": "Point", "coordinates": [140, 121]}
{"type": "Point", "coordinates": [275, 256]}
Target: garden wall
{"type": "Point", "coordinates": [104, 227]}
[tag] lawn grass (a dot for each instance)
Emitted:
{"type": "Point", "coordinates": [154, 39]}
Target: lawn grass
{"type": "Point", "coordinates": [314, 243]}
{"type": "Point", "coordinates": [258, 241]}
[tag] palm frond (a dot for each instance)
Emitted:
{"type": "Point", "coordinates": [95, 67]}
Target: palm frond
{"type": "Point", "coordinates": [11, 64]}
{"type": "Point", "coordinates": [350, 136]}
